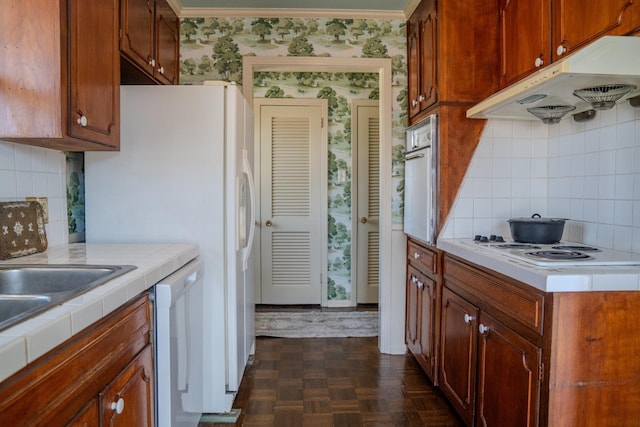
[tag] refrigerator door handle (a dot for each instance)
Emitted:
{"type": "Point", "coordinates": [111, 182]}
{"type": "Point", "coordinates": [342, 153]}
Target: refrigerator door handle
{"type": "Point", "coordinates": [252, 203]}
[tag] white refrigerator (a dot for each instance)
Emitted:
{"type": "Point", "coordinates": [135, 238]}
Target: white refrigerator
{"type": "Point", "coordinates": [183, 174]}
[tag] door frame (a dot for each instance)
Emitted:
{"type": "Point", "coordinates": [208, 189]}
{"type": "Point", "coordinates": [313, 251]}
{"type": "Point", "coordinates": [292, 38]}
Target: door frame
{"type": "Point", "coordinates": [324, 148]}
{"type": "Point", "coordinates": [382, 66]}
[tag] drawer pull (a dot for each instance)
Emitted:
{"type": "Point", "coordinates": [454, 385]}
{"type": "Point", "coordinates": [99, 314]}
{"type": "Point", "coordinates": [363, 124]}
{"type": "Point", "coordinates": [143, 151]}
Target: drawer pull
{"type": "Point", "coordinates": [416, 255]}
{"type": "Point", "coordinates": [468, 318]}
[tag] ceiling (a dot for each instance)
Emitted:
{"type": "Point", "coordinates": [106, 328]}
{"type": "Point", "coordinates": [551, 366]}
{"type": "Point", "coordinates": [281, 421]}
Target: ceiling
{"type": "Point", "coordinates": [299, 8]}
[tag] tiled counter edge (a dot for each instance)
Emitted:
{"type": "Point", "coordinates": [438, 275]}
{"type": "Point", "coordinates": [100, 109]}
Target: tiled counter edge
{"type": "Point", "coordinates": [28, 340]}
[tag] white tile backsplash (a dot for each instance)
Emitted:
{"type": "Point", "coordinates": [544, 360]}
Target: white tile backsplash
{"type": "Point", "coordinates": [588, 172]}
{"type": "Point", "coordinates": [33, 171]}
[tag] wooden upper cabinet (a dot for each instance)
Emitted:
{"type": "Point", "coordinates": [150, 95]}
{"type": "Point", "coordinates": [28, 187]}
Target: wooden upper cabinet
{"type": "Point", "coordinates": [525, 31]}
{"type": "Point", "coordinates": [422, 61]}
{"type": "Point", "coordinates": [137, 40]}
{"type": "Point", "coordinates": [60, 74]}
{"type": "Point", "coordinates": [535, 33]}
{"type": "Point", "coordinates": [576, 23]}
{"type": "Point", "coordinates": [167, 44]}
{"type": "Point", "coordinates": [94, 72]}
{"type": "Point", "coordinates": [413, 65]}
{"type": "Point", "coordinates": [451, 48]}
{"type": "Point", "coordinates": [150, 40]}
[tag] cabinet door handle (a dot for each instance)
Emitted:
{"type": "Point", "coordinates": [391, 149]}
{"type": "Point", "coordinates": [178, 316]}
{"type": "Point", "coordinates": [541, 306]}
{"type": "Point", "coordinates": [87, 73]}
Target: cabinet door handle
{"type": "Point", "coordinates": [152, 62]}
{"type": "Point", "coordinates": [118, 406]}
{"type": "Point", "coordinates": [421, 98]}
{"type": "Point", "coordinates": [161, 70]}
{"type": "Point", "coordinates": [420, 285]}
{"type": "Point", "coordinates": [268, 223]}
{"type": "Point", "coordinates": [82, 120]}
{"type": "Point", "coordinates": [539, 61]}
{"type": "Point", "coordinates": [468, 318]}
{"type": "Point", "coordinates": [561, 50]}
{"type": "Point", "coordinates": [414, 279]}
{"type": "Point", "coordinates": [414, 102]}
{"type": "Point", "coordinates": [483, 329]}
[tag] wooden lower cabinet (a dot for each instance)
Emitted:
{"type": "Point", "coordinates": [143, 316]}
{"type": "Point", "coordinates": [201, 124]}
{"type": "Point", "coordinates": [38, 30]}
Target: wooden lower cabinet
{"type": "Point", "coordinates": [422, 306]}
{"type": "Point", "coordinates": [105, 369]}
{"type": "Point", "coordinates": [125, 402]}
{"type": "Point", "coordinates": [487, 369]}
{"type": "Point", "coordinates": [512, 355]}
{"type": "Point", "coordinates": [509, 373]}
{"type": "Point", "coordinates": [420, 330]}
{"type": "Point", "coordinates": [490, 369]}
{"type": "Point", "coordinates": [458, 341]}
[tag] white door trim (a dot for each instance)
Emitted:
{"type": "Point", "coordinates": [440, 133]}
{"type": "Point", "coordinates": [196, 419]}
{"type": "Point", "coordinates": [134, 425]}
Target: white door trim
{"type": "Point", "coordinates": [251, 64]}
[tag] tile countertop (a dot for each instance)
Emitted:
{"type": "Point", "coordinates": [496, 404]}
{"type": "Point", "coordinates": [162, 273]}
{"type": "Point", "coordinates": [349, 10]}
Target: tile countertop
{"type": "Point", "coordinates": [548, 279]}
{"type": "Point", "coordinates": [28, 340]}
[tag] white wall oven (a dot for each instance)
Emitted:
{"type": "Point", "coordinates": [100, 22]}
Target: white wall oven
{"type": "Point", "coordinates": [420, 180]}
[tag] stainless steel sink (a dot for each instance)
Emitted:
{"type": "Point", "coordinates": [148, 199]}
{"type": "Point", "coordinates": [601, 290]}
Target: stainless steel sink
{"type": "Point", "coordinates": [27, 290]}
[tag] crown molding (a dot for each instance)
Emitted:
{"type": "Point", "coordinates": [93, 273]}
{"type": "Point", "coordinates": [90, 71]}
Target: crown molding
{"type": "Point", "coordinates": [215, 12]}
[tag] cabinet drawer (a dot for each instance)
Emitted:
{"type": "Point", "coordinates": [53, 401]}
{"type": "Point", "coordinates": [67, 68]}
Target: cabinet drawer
{"type": "Point", "coordinates": [525, 306]}
{"type": "Point", "coordinates": [422, 258]}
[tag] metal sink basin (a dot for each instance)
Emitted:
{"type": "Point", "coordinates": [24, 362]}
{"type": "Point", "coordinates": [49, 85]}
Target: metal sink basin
{"type": "Point", "coordinates": [27, 290]}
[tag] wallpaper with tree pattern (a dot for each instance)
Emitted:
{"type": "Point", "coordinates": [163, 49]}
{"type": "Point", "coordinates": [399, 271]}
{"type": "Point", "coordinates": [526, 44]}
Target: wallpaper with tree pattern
{"type": "Point", "coordinates": [212, 49]}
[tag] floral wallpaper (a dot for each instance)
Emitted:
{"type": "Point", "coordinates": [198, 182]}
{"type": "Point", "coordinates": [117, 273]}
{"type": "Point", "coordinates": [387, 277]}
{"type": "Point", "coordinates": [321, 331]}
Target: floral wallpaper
{"type": "Point", "coordinates": [212, 49]}
{"type": "Point", "coordinates": [75, 196]}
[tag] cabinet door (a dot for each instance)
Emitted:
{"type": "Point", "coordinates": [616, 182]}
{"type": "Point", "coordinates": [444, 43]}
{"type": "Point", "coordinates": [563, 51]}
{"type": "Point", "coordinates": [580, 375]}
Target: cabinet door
{"type": "Point", "coordinates": [137, 33]}
{"type": "Point", "coordinates": [167, 44]}
{"type": "Point", "coordinates": [508, 365]}
{"type": "Point", "coordinates": [525, 33]}
{"type": "Point", "coordinates": [94, 73]}
{"type": "Point", "coordinates": [128, 400]}
{"type": "Point", "coordinates": [420, 321]}
{"type": "Point", "coordinates": [413, 65]}
{"type": "Point", "coordinates": [458, 339]}
{"type": "Point", "coordinates": [578, 22]}
{"type": "Point", "coordinates": [88, 416]}
{"type": "Point", "coordinates": [412, 337]}
{"type": "Point", "coordinates": [428, 66]}
{"type": "Point", "coordinates": [427, 325]}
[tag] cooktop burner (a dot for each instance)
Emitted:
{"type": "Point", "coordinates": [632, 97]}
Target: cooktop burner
{"type": "Point", "coordinates": [558, 254]}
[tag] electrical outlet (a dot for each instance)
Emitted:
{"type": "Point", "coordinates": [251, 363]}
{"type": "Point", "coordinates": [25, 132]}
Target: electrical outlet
{"type": "Point", "coordinates": [44, 202]}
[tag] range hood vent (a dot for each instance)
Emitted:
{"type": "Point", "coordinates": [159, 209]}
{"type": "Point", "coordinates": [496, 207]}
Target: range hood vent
{"type": "Point", "coordinates": [595, 77]}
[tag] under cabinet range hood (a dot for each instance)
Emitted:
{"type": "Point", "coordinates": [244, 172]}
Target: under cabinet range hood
{"type": "Point", "coordinates": [608, 68]}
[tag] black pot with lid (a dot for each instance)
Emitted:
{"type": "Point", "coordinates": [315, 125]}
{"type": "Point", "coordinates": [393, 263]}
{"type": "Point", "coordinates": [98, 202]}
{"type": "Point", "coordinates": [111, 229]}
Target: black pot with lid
{"type": "Point", "coordinates": [537, 229]}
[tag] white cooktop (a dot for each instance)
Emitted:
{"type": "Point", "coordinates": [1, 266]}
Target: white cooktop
{"type": "Point", "coordinates": [620, 272]}
{"type": "Point", "coordinates": [562, 254]}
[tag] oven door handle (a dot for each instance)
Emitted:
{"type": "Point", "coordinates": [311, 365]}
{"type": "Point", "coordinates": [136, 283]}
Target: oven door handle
{"type": "Point", "coordinates": [414, 156]}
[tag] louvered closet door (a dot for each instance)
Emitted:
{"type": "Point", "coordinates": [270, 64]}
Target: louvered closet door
{"type": "Point", "coordinates": [368, 195]}
{"type": "Point", "coordinates": [291, 249]}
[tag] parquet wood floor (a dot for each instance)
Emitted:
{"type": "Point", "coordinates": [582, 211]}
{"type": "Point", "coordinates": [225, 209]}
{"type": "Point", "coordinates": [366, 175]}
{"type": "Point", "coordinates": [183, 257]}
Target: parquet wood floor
{"type": "Point", "coordinates": [336, 382]}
